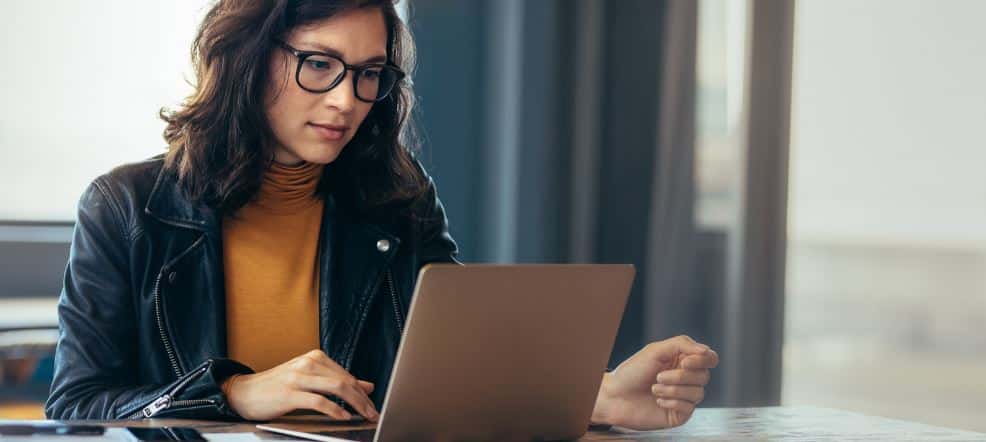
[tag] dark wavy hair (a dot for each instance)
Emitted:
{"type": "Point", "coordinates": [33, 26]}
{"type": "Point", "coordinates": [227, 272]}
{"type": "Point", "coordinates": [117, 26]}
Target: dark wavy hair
{"type": "Point", "coordinates": [220, 142]}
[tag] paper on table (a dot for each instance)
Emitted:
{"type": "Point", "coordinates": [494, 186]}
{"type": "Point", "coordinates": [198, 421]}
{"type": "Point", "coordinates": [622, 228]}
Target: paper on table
{"type": "Point", "coordinates": [231, 437]}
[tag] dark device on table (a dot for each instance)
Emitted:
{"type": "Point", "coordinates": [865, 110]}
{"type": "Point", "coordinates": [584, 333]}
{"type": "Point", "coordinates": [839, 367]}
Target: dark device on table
{"type": "Point", "coordinates": [165, 433]}
{"type": "Point", "coordinates": [31, 429]}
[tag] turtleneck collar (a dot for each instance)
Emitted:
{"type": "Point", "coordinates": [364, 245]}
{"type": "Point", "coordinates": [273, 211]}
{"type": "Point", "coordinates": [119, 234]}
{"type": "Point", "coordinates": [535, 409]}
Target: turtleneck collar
{"type": "Point", "coordinates": [286, 189]}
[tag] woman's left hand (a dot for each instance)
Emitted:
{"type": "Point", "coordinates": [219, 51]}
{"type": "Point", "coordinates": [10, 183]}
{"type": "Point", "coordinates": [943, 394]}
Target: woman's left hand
{"type": "Point", "coordinates": [658, 387]}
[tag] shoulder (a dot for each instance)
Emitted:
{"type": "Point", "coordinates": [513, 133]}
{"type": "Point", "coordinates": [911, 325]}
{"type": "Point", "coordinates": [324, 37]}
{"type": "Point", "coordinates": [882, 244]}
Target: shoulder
{"type": "Point", "coordinates": [426, 209]}
{"type": "Point", "coordinates": [122, 192]}
{"type": "Point", "coordinates": [133, 178]}
{"type": "Point", "coordinates": [432, 225]}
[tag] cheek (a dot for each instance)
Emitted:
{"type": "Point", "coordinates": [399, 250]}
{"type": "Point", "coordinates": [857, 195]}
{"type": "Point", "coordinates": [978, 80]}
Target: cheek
{"type": "Point", "coordinates": [362, 110]}
{"type": "Point", "coordinates": [284, 102]}
{"type": "Point", "coordinates": [285, 111]}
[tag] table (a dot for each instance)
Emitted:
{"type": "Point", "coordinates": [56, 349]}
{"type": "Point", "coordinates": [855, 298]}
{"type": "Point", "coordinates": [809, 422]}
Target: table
{"type": "Point", "coordinates": [708, 424]}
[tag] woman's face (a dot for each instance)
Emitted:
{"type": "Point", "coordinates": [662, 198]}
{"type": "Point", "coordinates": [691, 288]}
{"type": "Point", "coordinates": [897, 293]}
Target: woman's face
{"type": "Point", "coordinates": [315, 127]}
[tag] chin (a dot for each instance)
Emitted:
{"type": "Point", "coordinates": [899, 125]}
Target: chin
{"type": "Point", "coordinates": [321, 154]}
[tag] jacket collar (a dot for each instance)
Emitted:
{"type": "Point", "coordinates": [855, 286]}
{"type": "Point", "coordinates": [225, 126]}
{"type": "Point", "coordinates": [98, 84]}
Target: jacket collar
{"type": "Point", "coordinates": [167, 203]}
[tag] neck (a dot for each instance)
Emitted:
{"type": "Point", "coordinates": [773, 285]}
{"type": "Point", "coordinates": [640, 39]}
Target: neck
{"type": "Point", "coordinates": [285, 158]}
{"type": "Point", "coordinates": [287, 188]}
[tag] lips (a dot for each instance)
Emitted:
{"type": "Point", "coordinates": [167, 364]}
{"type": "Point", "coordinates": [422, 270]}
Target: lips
{"type": "Point", "coordinates": [331, 132]}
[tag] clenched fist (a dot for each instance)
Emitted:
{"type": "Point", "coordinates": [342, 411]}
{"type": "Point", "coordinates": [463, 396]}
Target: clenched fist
{"type": "Point", "coordinates": [658, 387]}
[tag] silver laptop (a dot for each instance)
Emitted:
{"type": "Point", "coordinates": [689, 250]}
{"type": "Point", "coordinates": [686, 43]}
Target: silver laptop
{"type": "Point", "coordinates": [498, 352]}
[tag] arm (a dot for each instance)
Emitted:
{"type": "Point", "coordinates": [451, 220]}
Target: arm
{"type": "Point", "coordinates": [95, 359]}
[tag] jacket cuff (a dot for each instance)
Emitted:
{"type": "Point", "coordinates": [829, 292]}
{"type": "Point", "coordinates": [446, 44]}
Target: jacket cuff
{"type": "Point", "coordinates": [199, 393]}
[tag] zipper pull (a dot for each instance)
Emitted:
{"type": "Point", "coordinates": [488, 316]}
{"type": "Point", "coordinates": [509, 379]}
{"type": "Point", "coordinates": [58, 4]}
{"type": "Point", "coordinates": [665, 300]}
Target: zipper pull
{"type": "Point", "coordinates": [159, 404]}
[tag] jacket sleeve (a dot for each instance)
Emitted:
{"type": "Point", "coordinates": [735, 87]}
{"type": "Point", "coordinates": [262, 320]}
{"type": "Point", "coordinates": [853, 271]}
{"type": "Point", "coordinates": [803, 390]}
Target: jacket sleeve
{"type": "Point", "coordinates": [436, 244]}
{"type": "Point", "coordinates": [96, 355]}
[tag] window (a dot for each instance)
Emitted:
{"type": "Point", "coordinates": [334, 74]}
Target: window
{"type": "Point", "coordinates": [886, 295]}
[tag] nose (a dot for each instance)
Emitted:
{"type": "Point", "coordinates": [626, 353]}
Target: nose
{"type": "Point", "coordinates": [343, 96]}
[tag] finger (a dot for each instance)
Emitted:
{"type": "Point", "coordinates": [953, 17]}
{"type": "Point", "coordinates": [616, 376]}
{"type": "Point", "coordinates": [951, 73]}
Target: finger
{"type": "Point", "coordinates": [685, 344]}
{"type": "Point", "coordinates": [344, 389]}
{"type": "Point", "coordinates": [319, 403]}
{"type": "Point", "coordinates": [323, 359]}
{"type": "Point", "coordinates": [682, 376]}
{"type": "Point", "coordinates": [688, 345]}
{"type": "Point", "coordinates": [677, 418]}
{"type": "Point", "coordinates": [688, 393]}
{"type": "Point", "coordinates": [316, 362]}
{"type": "Point", "coordinates": [678, 405]}
{"type": "Point", "coordinates": [709, 359]}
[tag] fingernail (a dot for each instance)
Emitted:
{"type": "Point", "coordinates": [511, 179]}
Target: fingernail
{"type": "Point", "coordinates": [661, 377]}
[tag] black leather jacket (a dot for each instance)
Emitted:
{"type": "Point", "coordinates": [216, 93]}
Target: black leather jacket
{"type": "Point", "coordinates": [142, 311]}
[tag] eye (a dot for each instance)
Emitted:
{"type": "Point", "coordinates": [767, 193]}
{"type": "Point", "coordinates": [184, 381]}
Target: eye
{"type": "Point", "coordinates": [318, 64]}
{"type": "Point", "coordinates": [372, 74]}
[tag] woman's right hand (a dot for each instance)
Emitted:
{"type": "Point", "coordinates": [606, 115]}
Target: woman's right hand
{"type": "Point", "coordinates": [300, 383]}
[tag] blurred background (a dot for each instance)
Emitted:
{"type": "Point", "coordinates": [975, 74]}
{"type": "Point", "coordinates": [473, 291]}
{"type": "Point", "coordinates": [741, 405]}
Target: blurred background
{"type": "Point", "coordinates": [797, 181]}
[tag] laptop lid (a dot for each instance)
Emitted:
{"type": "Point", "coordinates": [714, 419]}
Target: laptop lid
{"type": "Point", "coordinates": [504, 352]}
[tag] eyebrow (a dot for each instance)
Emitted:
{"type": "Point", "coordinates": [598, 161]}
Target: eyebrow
{"type": "Point", "coordinates": [333, 52]}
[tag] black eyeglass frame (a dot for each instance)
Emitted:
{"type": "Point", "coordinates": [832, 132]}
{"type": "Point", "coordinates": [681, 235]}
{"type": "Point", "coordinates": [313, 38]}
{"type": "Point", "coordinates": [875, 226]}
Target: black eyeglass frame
{"type": "Point", "coordinates": [357, 72]}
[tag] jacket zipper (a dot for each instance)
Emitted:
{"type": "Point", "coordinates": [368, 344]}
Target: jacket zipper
{"type": "Point", "coordinates": [165, 401]}
{"type": "Point", "coordinates": [348, 360]}
{"type": "Point", "coordinates": [393, 298]}
{"type": "Point", "coordinates": [160, 326]}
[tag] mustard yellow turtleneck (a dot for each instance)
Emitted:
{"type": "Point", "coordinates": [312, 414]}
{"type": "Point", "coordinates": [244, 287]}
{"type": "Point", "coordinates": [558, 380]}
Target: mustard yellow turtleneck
{"type": "Point", "coordinates": [270, 258]}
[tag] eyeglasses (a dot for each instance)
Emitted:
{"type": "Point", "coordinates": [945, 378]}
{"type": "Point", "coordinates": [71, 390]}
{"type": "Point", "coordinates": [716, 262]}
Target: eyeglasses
{"type": "Point", "coordinates": [319, 72]}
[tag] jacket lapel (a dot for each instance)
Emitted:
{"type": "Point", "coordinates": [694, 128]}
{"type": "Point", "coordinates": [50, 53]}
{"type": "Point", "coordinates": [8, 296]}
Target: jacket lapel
{"type": "Point", "coordinates": [354, 256]}
{"type": "Point", "coordinates": [194, 300]}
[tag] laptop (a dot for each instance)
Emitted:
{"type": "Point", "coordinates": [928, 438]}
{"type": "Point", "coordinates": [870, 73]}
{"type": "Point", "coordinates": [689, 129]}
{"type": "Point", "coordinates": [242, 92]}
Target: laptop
{"type": "Point", "coordinates": [498, 352]}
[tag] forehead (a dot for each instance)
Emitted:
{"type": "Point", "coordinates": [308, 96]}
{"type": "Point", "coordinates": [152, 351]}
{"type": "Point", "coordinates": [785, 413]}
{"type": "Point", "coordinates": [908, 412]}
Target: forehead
{"type": "Point", "coordinates": [356, 34]}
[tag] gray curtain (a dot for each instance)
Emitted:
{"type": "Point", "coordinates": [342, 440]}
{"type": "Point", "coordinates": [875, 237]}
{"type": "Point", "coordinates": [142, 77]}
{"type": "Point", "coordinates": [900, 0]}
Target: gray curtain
{"type": "Point", "coordinates": [571, 139]}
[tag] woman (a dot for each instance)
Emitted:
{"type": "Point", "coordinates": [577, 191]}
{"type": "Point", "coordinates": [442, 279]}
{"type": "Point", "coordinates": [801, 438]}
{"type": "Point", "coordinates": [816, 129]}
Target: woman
{"type": "Point", "coordinates": [265, 263]}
